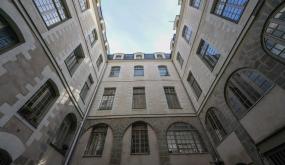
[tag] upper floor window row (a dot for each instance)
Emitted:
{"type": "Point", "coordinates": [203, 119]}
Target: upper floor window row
{"type": "Point", "coordinates": [230, 9]}
{"type": "Point", "coordinates": [8, 36]}
{"type": "Point", "coordinates": [208, 54]}
{"type": "Point", "coordinates": [140, 56]}
{"type": "Point", "coordinates": [274, 34]}
{"type": "Point", "coordinates": [138, 71]}
{"type": "Point", "coordinates": [52, 12]}
{"type": "Point", "coordinates": [139, 98]}
{"type": "Point", "coordinates": [195, 3]}
{"type": "Point", "coordinates": [186, 33]}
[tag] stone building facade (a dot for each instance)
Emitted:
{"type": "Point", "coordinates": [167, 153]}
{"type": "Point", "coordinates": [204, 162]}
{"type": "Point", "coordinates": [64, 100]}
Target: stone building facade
{"type": "Point", "coordinates": [217, 98]}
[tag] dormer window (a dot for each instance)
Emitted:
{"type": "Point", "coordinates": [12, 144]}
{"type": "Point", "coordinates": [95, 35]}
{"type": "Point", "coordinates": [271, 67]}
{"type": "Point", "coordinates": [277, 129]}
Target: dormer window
{"type": "Point", "coordinates": [139, 57]}
{"type": "Point", "coordinates": [159, 56]}
{"type": "Point", "coordinates": [118, 57]}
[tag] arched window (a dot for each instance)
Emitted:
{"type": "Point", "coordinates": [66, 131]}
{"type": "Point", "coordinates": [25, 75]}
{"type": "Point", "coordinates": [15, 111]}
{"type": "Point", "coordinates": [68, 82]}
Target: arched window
{"type": "Point", "coordinates": [139, 138]}
{"type": "Point", "coordinates": [183, 138]}
{"type": "Point", "coordinates": [138, 70]}
{"type": "Point", "coordinates": [214, 125]}
{"type": "Point", "coordinates": [65, 133]}
{"type": "Point", "coordinates": [5, 158]}
{"type": "Point", "coordinates": [8, 37]}
{"type": "Point", "coordinates": [95, 145]}
{"type": "Point", "coordinates": [163, 70]}
{"type": "Point", "coordinates": [244, 89]}
{"type": "Point", "coordinates": [38, 105]}
{"type": "Point", "coordinates": [274, 34]}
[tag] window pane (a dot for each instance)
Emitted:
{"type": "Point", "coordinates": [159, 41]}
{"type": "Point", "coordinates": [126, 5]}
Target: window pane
{"type": "Point", "coordinates": [208, 54]}
{"type": "Point", "coordinates": [139, 139]}
{"type": "Point", "coordinates": [83, 4]}
{"type": "Point", "coordinates": [138, 71]}
{"type": "Point", "coordinates": [171, 98]}
{"type": "Point", "coordinates": [194, 84]}
{"type": "Point", "coordinates": [230, 9]}
{"type": "Point", "coordinates": [37, 106]}
{"type": "Point", "coordinates": [139, 98]}
{"type": "Point", "coordinates": [183, 138]}
{"type": "Point", "coordinates": [163, 71]}
{"type": "Point", "coordinates": [245, 88]}
{"type": "Point", "coordinates": [52, 11]}
{"type": "Point", "coordinates": [7, 36]}
{"type": "Point", "coordinates": [96, 141]}
{"type": "Point", "coordinates": [275, 34]}
{"type": "Point", "coordinates": [107, 99]}
{"type": "Point", "coordinates": [115, 71]}
{"type": "Point", "coordinates": [99, 61]}
{"type": "Point", "coordinates": [73, 60]}
{"type": "Point", "coordinates": [195, 3]}
{"type": "Point", "coordinates": [179, 59]}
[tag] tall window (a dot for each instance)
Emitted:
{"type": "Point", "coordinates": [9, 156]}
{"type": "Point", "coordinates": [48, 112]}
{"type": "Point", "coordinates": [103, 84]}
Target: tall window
{"type": "Point", "coordinates": [186, 33]}
{"type": "Point", "coordinates": [52, 11]}
{"type": "Point", "coordinates": [139, 139]}
{"type": "Point", "coordinates": [171, 97]}
{"type": "Point", "coordinates": [208, 54]}
{"type": "Point", "coordinates": [214, 126]}
{"type": "Point", "coordinates": [74, 59]}
{"type": "Point", "coordinates": [107, 99]}
{"type": "Point", "coordinates": [83, 5]}
{"type": "Point", "coordinates": [93, 37]}
{"type": "Point", "coordinates": [99, 61]}
{"type": "Point", "coordinates": [96, 141]}
{"type": "Point", "coordinates": [244, 89]}
{"type": "Point", "coordinates": [65, 133]}
{"type": "Point", "coordinates": [163, 71]}
{"type": "Point", "coordinates": [86, 87]}
{"type": "Point", "coordinates": [138, 71]}
{"type": "Point", "coordinates": [194, 84]}
{"type": "Point", "coordinates": [139, 98]}
{"type": "Point", "coordinates": [115, 71]}
{"type": "Point", "coordinates": [274, 34]}
{"type": "Point", "coordinates": [179, 59]}
{"type": "Point", "coordinates": [38, 105]}
{"type": "Point", "coordinates": [229, 9]}
{"type": "Point", "coordinates": [183, 138]}
{"type": "Point", "coordinates": [195, 3]}
{"type": "Point", "coordinates": [8, 37]}
{"type": "Point", "coordinates": [276, 155]}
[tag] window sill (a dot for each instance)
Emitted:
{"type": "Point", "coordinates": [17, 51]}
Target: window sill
{"type": "Point", "coordinates": [57, 149]}
{"type": "Point", "coordinates": [196, 153]}
{"type": "Point", "coordinates": [139, 154]}
{"type": "Point", "coordinates": [92, 156]}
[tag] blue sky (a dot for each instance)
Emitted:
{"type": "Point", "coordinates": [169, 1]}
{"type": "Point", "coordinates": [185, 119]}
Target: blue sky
{"type": "Point", "coordinates": [139, 25]}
